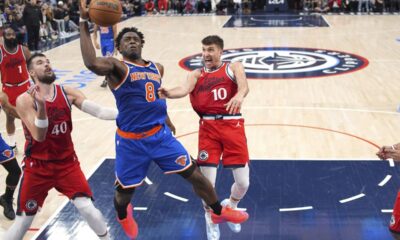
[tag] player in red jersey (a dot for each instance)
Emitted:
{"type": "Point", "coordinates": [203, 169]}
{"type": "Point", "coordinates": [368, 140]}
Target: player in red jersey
{"type": "Point", "coordinates": [14, 75]}
{"type": "Point", "coordinates": [217, 92]}
{"type": "Point", "coordinates": [50, 160]}
{"type": "Point", "coordinates": [393, 152]}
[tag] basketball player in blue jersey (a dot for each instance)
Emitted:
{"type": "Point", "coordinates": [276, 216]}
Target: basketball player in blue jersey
{"type": "Point", "coordinates": [143, 135]}
{"type": "Point", "coordinates": [107, 37]}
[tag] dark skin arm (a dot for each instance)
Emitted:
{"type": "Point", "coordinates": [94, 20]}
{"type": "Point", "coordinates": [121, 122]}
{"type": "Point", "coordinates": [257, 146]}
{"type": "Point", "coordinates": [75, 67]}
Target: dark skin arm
{"type": "Point", "coordinates": [168, 120]}
{"type": "Point", "coordinates": [114, 69]}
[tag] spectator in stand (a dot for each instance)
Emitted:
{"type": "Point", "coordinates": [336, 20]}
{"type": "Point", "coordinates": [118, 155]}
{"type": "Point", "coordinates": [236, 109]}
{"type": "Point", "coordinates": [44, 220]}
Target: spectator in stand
{"type": "Point", "coordinates": [48, 21]}
{"type": "Point", "coordinates": [32, 16]}
{"type": "Point", "coordinates": [73, 11]}
{"type": "Point", "coordinates": [189, 6]}
{"type": "Point", "coordinates": [203, 6]}
{"type": "Point", "coordinates": [149, 7]}
{"type": "Point", "coordinates": [335, 5]}
{"type": "Point", "coordinates": [162, 6]}
{"type": "Point", "coordinates": [137, 7]}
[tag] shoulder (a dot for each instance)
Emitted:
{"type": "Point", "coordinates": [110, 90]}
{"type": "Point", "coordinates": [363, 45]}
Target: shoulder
{"type": "Point", "coordinates": [196, 73]}
{"type": "Point", "coordinates": [235, 65]}
{"type": "Point", "coordinates": [160, 68]}
{"type": "Point", "coordinates": [23, 101]}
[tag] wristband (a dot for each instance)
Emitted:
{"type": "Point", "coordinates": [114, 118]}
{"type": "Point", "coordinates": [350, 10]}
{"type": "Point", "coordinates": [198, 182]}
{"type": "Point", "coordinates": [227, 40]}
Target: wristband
{"type": "Point", "coordinates": [83, 19]}
{"type": "Point", "coordinates": [41, 123]}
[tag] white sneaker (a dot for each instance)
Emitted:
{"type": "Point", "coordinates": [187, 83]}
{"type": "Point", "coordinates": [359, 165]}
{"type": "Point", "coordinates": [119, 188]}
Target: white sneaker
{"type": "Point", "coordinates": [212, 229]}
{"type": "Point", "coordinates": [233, 226]}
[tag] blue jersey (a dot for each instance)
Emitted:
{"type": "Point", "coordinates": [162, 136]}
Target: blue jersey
{"type": "Point", "coordinates": [106, 41]}
{"type": "Point", "coordinates": [106, 34]}
{"type": "Point", "coordinates": [139, 108]}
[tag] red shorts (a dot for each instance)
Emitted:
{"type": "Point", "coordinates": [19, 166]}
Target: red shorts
{"type": "Point", "coordinates": [222, 137]}
{"type": "Point", "coordinates": [395, 220]}
{"type": "Point", "coordinates": [14, 91]}
{"type": "Point", "coordinates": [39, 177]}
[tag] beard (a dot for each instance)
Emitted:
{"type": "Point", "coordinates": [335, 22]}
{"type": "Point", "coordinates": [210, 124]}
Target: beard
{"type": "Point", "coordinates": [10, 43]}
{"type": "Point", "coordinates": [48, 79]}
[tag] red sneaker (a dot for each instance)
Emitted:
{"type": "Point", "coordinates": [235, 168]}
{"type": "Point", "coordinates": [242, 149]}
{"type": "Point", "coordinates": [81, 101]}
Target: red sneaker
{"type": "Point", "coordinates": [129, 224]}
{"type": "Point", "coordinates": [229, 215]}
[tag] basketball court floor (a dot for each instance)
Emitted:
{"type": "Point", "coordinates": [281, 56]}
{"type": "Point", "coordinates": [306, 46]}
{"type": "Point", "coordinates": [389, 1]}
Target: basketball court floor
{"type": "Point", "coordinates": [324, 93]}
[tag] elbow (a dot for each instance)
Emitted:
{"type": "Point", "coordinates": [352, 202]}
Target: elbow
{"type": "Point", "coordinates": [39, 138]}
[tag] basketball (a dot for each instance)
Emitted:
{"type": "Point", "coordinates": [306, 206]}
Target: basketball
{"type": "Point", "coordinates": [105, 13]}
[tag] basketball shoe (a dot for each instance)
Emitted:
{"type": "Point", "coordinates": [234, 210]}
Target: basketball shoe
{"type": "Point", "coordinates": [8, 207]}
{"type": "Point", "coordinates": [212, 229]}
{"type": "Point", "coordinates": [129, 224]}
{"type": "Point", "coordinates": [230, 215]}
{"type": "Point", "coordinates": [235, 227]}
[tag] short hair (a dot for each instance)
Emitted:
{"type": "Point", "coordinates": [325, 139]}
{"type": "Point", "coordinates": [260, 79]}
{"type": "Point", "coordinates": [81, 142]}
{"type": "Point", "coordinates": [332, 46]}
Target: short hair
{"type": "Point", "coordinates": [213, 39]}
{"type": "Point", "coordinates": [29, 62]}
{"type": "Point", "coordinates": [125, 30]}
{"type": "Point", "coordinates": [7, 26]}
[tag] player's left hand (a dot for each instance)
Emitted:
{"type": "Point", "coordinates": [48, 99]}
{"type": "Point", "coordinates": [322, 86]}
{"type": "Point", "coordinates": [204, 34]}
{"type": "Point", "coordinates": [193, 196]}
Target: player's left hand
{"type": "Point", "coordinates": [234, 105]}
{"type": "Point", "coordinates": [386, 152]}
{"type": "Point", "coordinates": [172, 127]}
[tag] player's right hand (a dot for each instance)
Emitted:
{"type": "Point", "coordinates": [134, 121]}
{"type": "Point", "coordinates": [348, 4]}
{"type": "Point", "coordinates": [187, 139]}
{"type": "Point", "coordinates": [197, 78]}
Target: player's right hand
{"type": "Point", "coordinates": [83, 10]}
{"type": "Point", "coordinates": [162, 92]}
{"type": "Point", "coordinates": [34, 91]}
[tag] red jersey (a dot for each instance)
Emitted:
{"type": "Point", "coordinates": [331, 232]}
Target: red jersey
{"type": "Point", "coordinates": [58, 143]}
{"type": "Point", "coordinates": [13, 66]}
{"type": "Point", "coordinates": [213, 89]}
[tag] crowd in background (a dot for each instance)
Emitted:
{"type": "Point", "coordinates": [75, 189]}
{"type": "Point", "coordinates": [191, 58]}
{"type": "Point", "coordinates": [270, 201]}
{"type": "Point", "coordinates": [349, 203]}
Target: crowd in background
{"type": "Point", "coordinates": [39, 21]}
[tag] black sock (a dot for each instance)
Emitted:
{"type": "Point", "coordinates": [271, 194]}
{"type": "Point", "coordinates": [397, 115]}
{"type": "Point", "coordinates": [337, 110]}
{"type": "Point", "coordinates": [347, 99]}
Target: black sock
{"type": "Point", "coordinates": [9, 193]}
{"type": "Point", "coordinates": [121, 210]}
{"type": "Point", "coordinates": [216, 207]}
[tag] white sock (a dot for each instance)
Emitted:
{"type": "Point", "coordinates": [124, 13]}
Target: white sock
{"type": "Point", "coordinates": [19, 228]}
{"type": "Point", "coordinates": [11, 139]}
{"type": "Point", "coordinates": [92, 216]}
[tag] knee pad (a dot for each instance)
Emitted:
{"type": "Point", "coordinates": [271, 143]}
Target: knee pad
{"type": "Point", "coordinates": [188, 172]}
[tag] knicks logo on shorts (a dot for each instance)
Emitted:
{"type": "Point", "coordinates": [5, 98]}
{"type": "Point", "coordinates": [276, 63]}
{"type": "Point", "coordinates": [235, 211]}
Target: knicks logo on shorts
{"type": "Point", "coordinates": [392, 221]}
{"type": "Point", "coordinates": [31, 205]}
{"type": "Point", "coordinates": [203, 155]}
{"type": "Point", "coordinates": [181, 161]}
{"type": "Point", "coordinates": [7, 153]}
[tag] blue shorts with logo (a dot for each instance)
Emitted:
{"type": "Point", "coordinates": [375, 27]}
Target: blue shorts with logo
{"type": "Point", "coordinates": [6, 153]}
{"type": "Point", "coordinates": [133, 156]}
{"type": "Point", "coordinates": [107, 48]}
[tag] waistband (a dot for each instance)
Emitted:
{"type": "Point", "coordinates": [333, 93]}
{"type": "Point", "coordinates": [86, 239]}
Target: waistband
{"type": "Point", "coordinates": [139, 135]}
{"type": "Point", "coordinates": [221, 117]}
{"type": "Point", "coordinates": [17, 84]}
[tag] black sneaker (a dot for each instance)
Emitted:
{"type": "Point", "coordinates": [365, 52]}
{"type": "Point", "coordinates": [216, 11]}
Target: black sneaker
{"type": "Point", "coordinates": [104, 84]}
{"type": "Point", "coordinates": [8, 208]}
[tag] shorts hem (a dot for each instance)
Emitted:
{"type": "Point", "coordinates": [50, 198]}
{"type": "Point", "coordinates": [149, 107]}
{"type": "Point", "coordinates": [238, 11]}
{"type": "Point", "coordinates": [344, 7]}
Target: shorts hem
{"type": "Point", "coordinates": [234, 166]}
{"type": "Point", "coordinates": [394, 231]}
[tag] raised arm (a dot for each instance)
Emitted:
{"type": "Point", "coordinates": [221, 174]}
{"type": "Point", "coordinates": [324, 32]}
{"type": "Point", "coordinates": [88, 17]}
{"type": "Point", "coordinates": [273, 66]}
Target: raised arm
{"type": "Point", "coordinates": [33, 115]}
{"type": "Point", "coordinates": [235, 104]}
{"type": "Point", "coordinates": [77, 98]}
{"type": "Point", "coordinates": [100, 65]}
{"type": "Point", "coordinates": [184, 89]}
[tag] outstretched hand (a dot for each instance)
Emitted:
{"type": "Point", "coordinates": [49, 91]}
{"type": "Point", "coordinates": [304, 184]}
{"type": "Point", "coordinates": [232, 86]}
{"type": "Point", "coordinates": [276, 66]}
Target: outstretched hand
{"type": "Point", "coordinates": [34, 92]}
{"type": "Point", "coordinates": [163, 93]}
{"type": "Point", "coordinates": [386, 152]}
{"type": "Point", "coordinates": [83, 9]}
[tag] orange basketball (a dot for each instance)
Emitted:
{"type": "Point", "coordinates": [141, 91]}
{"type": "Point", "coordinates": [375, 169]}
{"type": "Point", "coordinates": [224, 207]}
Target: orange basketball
{"type": "Point", "coordinates": [105, 12]}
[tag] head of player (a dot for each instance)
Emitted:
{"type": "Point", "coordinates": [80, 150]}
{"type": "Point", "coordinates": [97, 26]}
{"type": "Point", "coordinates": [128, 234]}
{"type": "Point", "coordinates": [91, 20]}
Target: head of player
{"type": "Point", "coordinates": [212, 50]}
{"type": "Point", "coordinates": [40, 69]}
{"type": "Point", "coordinates": [129, 43]}
{"type": "Point", "coordinates": [10, 38]}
